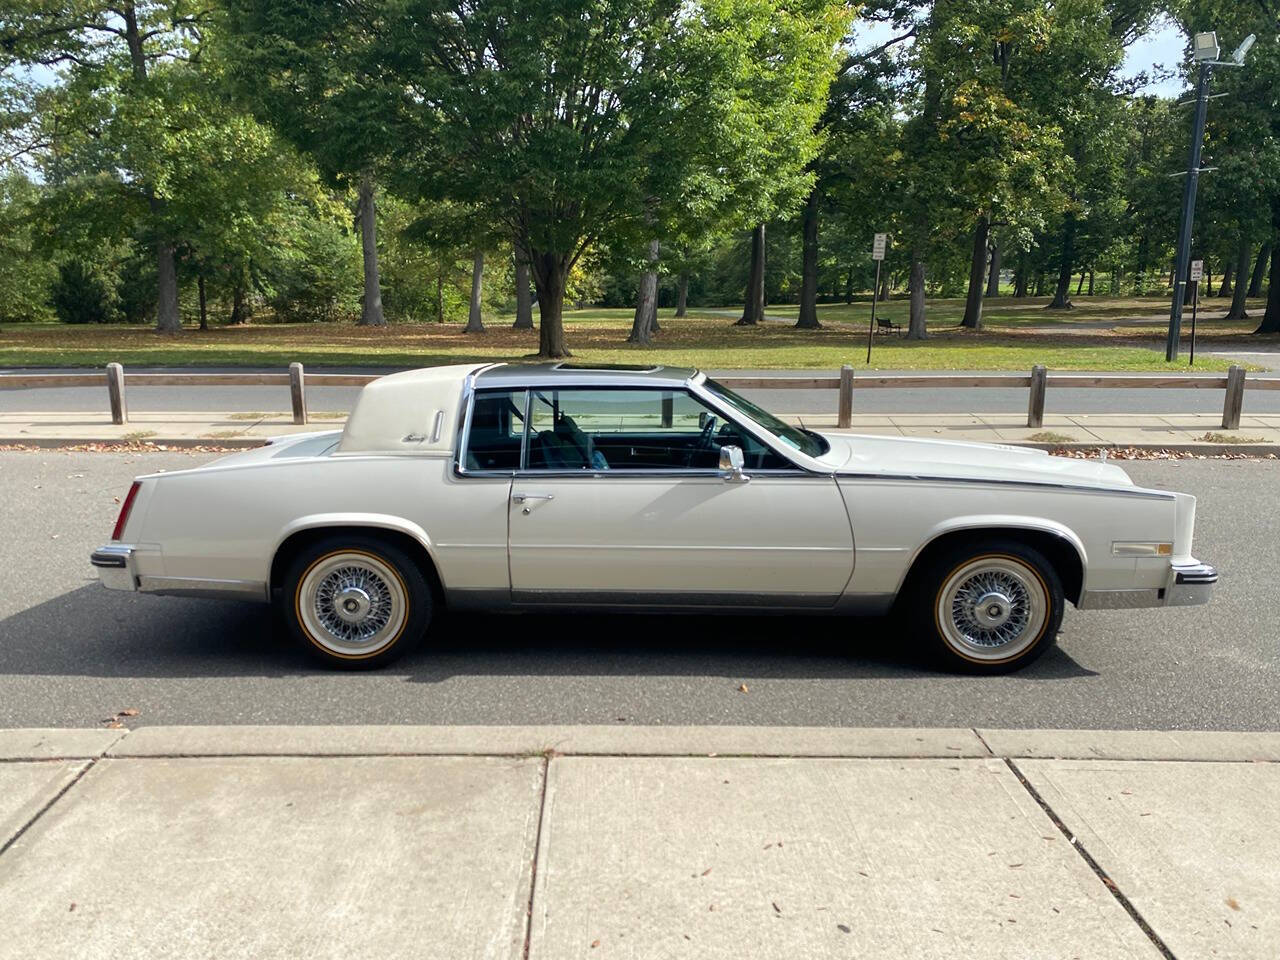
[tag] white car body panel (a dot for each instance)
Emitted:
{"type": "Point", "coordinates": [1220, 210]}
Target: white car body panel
{"type": "Point", "coordinates": [838, 530]}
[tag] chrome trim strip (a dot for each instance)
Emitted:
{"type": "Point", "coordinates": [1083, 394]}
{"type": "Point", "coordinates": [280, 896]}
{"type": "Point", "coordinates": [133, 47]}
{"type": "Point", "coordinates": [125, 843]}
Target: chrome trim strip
{"type": "Point", "coordinates": [992, 481]}
{"type": "Point", "coordinates": [664, 599]}
{"type": "Point", "coordinates": [201, 587]}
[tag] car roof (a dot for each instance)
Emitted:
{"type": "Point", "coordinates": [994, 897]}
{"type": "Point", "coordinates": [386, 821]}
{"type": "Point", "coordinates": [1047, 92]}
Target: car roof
{"type": "Point", "coordinates": [579, 374]}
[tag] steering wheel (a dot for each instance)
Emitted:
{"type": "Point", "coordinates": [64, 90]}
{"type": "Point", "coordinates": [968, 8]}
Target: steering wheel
{"type": "Point", "coordinates": [705, 439]}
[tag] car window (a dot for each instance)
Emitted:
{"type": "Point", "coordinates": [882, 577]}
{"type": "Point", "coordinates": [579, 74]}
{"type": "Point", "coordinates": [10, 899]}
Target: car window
{"type": "Point", "coordinates": [497, 430]}
{"type": "Point", "coordinates": [633, 429]}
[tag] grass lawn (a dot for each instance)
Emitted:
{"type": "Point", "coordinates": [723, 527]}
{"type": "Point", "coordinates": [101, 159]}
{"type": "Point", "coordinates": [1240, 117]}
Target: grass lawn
{"type": "Point", "coordinates": [704, 339]}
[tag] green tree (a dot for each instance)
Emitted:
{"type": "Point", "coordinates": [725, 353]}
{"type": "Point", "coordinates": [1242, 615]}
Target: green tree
{"type": "Point", "coordinates": [118, 93]}
{"type": "Point", "coordinates": [562, 122]}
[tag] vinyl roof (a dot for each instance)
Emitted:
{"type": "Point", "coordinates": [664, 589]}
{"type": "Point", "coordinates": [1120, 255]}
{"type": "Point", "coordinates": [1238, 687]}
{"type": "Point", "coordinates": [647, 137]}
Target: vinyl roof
{"type": "Point", "coordinates": [578, 374]}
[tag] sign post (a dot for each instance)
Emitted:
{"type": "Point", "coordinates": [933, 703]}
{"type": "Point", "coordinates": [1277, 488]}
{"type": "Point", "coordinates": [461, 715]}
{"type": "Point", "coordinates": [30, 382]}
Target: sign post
{"type": "Point", "coordinates": [1197, 274]}
{"type": "Point", "coordinates": [877, 254]}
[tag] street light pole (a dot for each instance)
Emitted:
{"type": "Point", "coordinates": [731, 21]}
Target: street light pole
{"type": "Point", "coordinates": [1188, 215]}
{"type": "Point", "coordinates": [1204, 48]}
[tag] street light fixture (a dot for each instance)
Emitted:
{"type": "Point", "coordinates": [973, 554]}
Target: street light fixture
{"type": "Point", "coordinates": [1205, 52]}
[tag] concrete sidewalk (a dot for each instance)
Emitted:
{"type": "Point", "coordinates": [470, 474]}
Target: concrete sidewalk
{"type": "Point", "coordinates": [554, 842]}
{"type": "Point", "coordinates": [1259, 434]}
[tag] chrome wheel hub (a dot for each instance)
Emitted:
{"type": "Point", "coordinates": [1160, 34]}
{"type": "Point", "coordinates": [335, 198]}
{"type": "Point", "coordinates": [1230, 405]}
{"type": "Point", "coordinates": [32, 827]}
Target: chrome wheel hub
{"type": "Point", "coordinates": [352, 603]}
{"type": "Point", "coordinates": [992, 608]}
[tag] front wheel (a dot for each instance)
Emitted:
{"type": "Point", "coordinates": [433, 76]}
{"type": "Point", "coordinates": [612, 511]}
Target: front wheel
{"type": "Point", "coordinates": [991, 607]}
{"type": "Point", "coordinates": [356, 602]}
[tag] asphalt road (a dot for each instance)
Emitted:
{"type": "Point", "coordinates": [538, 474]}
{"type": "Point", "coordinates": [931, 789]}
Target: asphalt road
{"type": "Point", "coordinates": [73, 654]}
{"type": "Point", "coordinates": [921, 400]}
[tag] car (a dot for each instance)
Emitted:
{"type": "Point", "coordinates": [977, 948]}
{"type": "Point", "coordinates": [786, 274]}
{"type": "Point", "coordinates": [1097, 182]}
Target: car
{"type": "Point", "coordinates": [562, 485]}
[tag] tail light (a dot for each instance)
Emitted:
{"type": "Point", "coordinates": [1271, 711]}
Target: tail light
{"type": "Point", "coordinates": [125, 507]}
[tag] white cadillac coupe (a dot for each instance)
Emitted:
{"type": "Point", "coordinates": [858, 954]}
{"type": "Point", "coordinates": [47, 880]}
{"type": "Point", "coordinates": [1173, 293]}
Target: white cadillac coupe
{"type": "Point", "coordinates": [530, 487]}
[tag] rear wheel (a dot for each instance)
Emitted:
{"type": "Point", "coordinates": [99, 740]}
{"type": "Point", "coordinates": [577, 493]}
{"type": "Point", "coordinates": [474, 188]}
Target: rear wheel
{"type": "Point", "coordinates": [989, 607]}
{"type": "Point", "coordinates": [356, 602]}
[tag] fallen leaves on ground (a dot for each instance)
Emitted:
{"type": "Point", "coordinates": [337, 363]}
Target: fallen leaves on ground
{"type": "Point", "coordinates": [1145, 453]}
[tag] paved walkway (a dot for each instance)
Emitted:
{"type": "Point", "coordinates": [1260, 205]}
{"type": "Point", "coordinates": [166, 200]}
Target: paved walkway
{"type": "Point", "coordinates": [1259, 433]}
{"type": "Point", "coordinates": [512, 842]}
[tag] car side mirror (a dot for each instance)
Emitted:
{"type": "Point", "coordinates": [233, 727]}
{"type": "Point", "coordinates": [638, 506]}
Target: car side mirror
{"type": "Point", "coordinates": [731, 464]}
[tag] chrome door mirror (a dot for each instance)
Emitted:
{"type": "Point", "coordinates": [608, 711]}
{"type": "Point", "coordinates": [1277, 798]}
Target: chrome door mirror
{"type": "Point", "coordinates": [731, 464]}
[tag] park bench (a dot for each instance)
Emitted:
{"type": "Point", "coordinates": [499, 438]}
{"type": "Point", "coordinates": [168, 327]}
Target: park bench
{"type": "Point", "coordinates": [887, 326]}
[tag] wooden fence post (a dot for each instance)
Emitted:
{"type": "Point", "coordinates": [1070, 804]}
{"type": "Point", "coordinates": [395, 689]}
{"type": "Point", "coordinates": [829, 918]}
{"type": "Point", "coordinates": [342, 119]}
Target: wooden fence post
{"type": "Point", "coordinates": [298, 392]}
{"type": "Point", "coordinates": [1035, 406]}
{"type": "Point", "coordinates": [844, 410]}
{"type": "Point", "coordinates": [1234, 401]}
{"type": "Point", "coordinates": [115, 390]}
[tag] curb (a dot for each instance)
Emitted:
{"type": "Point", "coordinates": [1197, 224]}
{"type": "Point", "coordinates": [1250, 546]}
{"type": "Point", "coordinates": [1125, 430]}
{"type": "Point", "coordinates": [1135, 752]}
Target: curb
{"type": "Point", "coordinates": [641, 741]}
{"type": "Point", "coordinates": [183, 443]}
{"type": "Point", "coordinates": [248, 443]}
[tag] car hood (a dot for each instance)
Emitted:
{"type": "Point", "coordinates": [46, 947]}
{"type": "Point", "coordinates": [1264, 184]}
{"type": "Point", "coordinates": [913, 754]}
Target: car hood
{"type": "Point", "coordinates": [911, 456]}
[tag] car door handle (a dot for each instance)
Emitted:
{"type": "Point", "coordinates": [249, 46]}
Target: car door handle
{"type": "Point", "coordinates": [522, 497]}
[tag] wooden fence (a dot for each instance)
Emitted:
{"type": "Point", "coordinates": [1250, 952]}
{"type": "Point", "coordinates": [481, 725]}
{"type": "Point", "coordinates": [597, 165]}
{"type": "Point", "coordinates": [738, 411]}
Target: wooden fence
{"type": "Point", "coordinates": [1038, 384]}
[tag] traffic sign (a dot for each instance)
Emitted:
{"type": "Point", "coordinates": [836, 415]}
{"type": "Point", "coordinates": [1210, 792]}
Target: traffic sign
{"type": "Point", "coordinates": [877, 250]}
{"type": "Point", "coordinates": [1197, 270]}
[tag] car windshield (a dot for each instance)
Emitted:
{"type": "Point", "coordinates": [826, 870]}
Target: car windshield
{"type": "Point", "coordinates": [806, 441]}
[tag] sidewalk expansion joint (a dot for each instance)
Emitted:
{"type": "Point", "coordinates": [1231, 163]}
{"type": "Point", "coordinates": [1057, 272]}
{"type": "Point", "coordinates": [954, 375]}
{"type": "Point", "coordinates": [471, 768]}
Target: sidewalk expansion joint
{"type": "Point", "coordinates": [982, 740]}
{"type": "Point", "coordinates": [4, 848]}
{"type": "Point", "coordinates": [1093, 864]}
{"type": "Point", "coordinates": [537, 850]}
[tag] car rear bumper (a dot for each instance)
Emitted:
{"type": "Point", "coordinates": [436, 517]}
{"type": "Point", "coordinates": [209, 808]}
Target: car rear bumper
{"type": "Point", "coordinates": [117, 566]}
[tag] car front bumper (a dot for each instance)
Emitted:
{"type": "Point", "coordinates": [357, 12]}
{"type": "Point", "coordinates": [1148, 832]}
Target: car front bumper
{"type": "Point", "coordinates": [1188, 585]}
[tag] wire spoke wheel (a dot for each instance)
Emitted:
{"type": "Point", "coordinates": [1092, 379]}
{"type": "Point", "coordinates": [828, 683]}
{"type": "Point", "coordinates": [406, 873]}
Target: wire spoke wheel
{"type": "Point", "coordinates": [352, 603]}
{"type": "Point", "coordinates": [992, 608]}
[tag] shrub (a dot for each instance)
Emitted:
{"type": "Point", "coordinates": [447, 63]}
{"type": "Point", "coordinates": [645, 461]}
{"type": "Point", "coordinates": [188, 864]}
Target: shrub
{"type": "Point", "coordinates": [80, 294]}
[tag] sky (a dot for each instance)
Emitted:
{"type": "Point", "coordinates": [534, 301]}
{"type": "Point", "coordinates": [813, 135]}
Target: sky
{"type": "Point", "coordinates": [1162, 46]}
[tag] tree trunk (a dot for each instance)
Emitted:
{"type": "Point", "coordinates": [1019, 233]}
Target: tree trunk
{"type": "Point", "coordinates": [809, 270]}
{"type": "Point", "coordinates": [977, 274]}
{"type": "Point", "coordinates": [524, 302]}
{"type": "Point", "coordinates": [549, 271]}
{"type": "Point", "coordinates": [440, 297]}
{"type": "Point", "coordinates": [1228, 268]}
{"type": "Point", "coordinates": [475, 324]}
{"type": "Point", "coordinates": [753, 309]}
{"type": "Point", "coordinates": [1080, 285]}
{"type": "Point", "coordinates": [1060, 299]}
{"type": "Point", "coordinates": [1271, 319]}
{"type": "Point", "coordinates": [993, 277]}
{"type": "Point", "coordinates": [1237, 311]}
{"type": "Point", "coordinates": [1255, 281]}
{"type": "Point", "coordinates": [371, 305]}
{"type": "Point", "coordinates": [682, 295]}
{"type": "Point", "coordinates": [1140, 278]}
{"type": "Point", "coordinates": [1020, 277]}
{"type": "Point", "coordinates": [1091, 281]}
{"type": "Point", "coordinates": [168, 319]}
{"type": "Point", "coordinates": [848, 286]}
{"type": "Point", "coordinates": [237, 303]}
{"type": "Point", "coordinates": [916, 325]}
{"type": "Point", "coordinates": [884, 284]}
{"type": "Point", "coordinates": [646, 300]}
{"type": "Point", "coordinates": [204, 313]}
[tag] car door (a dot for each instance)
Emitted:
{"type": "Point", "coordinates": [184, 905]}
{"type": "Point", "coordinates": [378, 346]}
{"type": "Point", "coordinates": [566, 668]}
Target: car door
{"type": "Point", "coordinates": [619, 500]}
